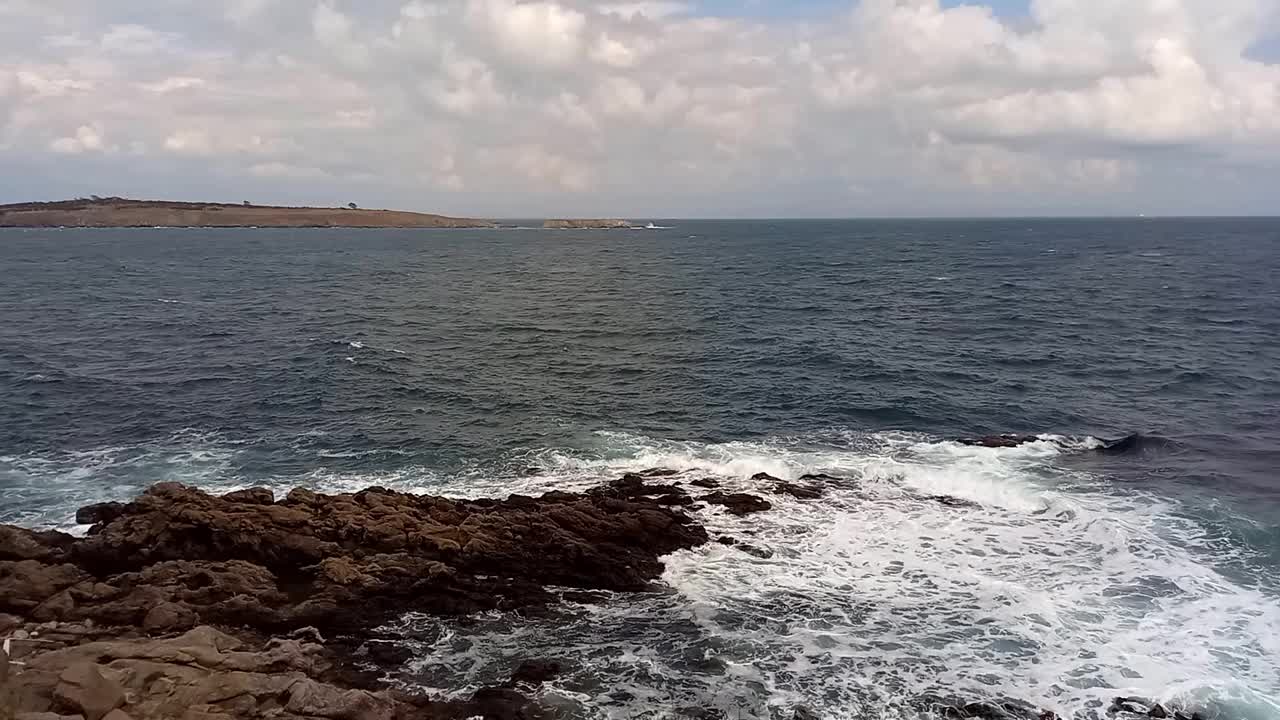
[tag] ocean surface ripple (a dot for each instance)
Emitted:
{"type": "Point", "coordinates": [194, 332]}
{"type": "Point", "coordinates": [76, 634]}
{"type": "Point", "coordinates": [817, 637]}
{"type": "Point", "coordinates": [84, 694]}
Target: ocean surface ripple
{"type": "Point", "coordinates": [486, 362]}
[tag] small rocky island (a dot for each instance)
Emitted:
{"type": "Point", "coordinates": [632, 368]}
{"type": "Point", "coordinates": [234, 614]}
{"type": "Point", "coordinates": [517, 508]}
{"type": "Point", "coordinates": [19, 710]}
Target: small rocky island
{"type": "Point", "coordinates": [123, 212]}
{"type": "Point", "coordinates": [592, 224]}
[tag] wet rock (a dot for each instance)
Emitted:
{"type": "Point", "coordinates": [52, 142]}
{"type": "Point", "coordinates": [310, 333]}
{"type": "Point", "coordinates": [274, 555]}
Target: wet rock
{"type": "Point", "coordinates": [1133, 706]}
{"type": "Point", "coordinates": [804, 713]}
{"type": "Point", "coordinates": [252, 496]}
{"type": "Point", "coordinates": [822, 479]}
{"type": "Point", "coordinates": [701, 713]}
{"type": "Point", "coordinates": [802, 492]}
{"type": "Point", "coordinates": [633, 486]}
{"type": "Point", "coordinates": [765, 477]}
{"type": "Point", "coordinates": [674, 499]}
{"type": "Point", "coordinates": [100, 513]}
{"type": "Point", "coordinates": [738, 503]}
{"type": "Point", "coordinates": [1158, 711]}
{"type": "Point", "coordinates": [954, 502]}
{"type": "Point", "coordinates": [387, 654]}
{"type": "Point", "coordinates": [311, 566]}
{"type": "Point", "coordinates": [706, 483]}
{"type": "Point", "coordinates": [503, 704]}
{"type": "Point", "coordinates": [659, 472]}
{"type": "Point", "coordinates": [762, 553]}
{"type": "Point", "coordinates": [536, 672]}
{"type": "Point", "coordinates": [83, 689]}
{"type": "Point", "coordinates": [726, 540]}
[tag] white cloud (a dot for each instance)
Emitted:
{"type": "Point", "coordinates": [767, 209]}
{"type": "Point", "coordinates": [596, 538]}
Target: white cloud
{"type": "Point", "coordinates": [618, 104]}
{"type": "Point", "coordinates": [87, 138]}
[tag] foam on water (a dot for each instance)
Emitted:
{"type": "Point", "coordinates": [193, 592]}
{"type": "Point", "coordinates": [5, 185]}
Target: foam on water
{"type": "Point", "coordinates": [878, 596]}
{"type": "Point", "coordinates": [1048, 585]}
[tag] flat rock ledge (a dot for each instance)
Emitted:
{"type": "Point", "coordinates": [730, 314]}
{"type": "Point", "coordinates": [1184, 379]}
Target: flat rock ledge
{"type": "Point", "coordinates": [186, 605]}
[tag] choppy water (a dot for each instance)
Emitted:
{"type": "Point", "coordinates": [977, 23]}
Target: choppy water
{"type": "Point", "coordinates": [486, 362]}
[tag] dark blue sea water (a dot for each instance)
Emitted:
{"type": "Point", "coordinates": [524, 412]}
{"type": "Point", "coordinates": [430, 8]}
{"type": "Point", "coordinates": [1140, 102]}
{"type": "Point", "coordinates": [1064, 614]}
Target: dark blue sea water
{"type": "Point", "coordinates": [487, 362]}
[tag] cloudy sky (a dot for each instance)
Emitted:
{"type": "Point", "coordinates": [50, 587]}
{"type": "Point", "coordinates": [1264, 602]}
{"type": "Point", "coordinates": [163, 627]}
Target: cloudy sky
{"type": "Point", "coordinates": [711, 108]}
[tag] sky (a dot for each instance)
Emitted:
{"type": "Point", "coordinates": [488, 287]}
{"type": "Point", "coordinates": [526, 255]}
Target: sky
{"type": "Point", "coordinates": [650, 109]}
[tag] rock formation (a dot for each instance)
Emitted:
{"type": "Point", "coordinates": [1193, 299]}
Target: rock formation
{"type": "Point", "coordinates": [177, 561]}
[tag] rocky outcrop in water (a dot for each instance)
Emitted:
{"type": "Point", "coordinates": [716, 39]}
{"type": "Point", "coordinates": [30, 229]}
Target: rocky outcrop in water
{"type": "Point", "coordinates": [586, 224]}
{"type": "Point", "coordinates": [176, 561]}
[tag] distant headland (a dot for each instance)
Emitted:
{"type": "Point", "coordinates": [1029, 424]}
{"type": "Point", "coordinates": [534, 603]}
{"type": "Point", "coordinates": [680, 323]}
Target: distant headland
{"type": "Point", "coordinates": [123, 212]}
{"type": "Point", "coordinates": [117, 212]}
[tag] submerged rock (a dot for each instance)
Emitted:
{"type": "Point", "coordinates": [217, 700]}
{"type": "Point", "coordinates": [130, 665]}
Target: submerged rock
{"type": "Point", "coordinates": [738, 503]}
{"type": "Point", "coordinates": [802, 492]}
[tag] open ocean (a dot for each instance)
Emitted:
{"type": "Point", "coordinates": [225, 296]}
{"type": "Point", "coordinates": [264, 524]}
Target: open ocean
{"type": "Point", "coordinates": [486, 362]}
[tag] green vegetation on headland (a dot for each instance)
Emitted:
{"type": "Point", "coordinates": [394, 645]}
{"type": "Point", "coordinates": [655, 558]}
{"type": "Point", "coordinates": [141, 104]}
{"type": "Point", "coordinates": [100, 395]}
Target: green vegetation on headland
{"type": "Point", "coordinates": [115, 212]}
{"type": "Point", "coordinates": [121, 212]}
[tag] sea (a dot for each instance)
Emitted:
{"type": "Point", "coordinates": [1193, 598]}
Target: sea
{"type": "Point", "coordinates": [480, 363]}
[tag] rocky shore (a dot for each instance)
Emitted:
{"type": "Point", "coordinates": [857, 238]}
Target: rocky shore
{"type": "Point", "coordinates": [190, 606]}
{"type": "Point", "coordinates": [185, 605]}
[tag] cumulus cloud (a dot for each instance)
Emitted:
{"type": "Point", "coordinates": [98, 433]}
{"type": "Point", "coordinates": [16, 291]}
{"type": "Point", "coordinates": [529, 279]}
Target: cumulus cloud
{"type": "Point", "coordinates": [507, 107]}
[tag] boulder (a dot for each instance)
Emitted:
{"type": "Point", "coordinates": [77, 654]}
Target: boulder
{"type": "Point", "coordinates": [801, 492]}
{"type": "Point", "coordinates": [100, 513]}
{"type": "Point", "coordinates": [82, 688]}
{"type": "Point", "coordinates": [738, 503]}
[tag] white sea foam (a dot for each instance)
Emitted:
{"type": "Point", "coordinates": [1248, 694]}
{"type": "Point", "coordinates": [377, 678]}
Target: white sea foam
{"type": "Point", "coordinates": [1048, 585]}
{"type": "Point", "coordinates": [1046, 590]}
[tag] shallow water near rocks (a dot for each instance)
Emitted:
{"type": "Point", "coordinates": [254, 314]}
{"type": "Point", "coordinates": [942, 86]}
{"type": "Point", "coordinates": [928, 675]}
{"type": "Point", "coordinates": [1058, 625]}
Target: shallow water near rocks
{"type": "Point", "coordinates": [482, 363]}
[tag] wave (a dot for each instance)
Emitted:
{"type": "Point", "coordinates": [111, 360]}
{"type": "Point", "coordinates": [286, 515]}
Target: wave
{"type": "Point", "coordinates": [1038, 582]}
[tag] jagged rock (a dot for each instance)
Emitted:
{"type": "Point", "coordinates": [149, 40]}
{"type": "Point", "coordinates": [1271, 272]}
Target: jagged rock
{"type": "Point", "coordinates": [312, 566]}
{"type": "Point", "coordinates": [706, 483]}
{"type": "Point", "coordinates": [801, 492]}
{"type": "Point", "coordinates": [100, 513]}
{"type": "Point", "coordinates": [313, 699]}
{"type": "Point", "coordinates": [726, 540]}
{"type": "Point", "coordinates": [659, 472]}
{"type": "Point", "coordinates": [1158, 711]}
{"type": "Point", "coordinates": [251, 496]}
{"type": "Point", "coordinates": [762, 553]}
{"type": "Point", "coordinates": [387, 654]}
{"type": "Point", "coordinates": [83, 688]}
{"type": "Point", "coordinates": [47, 716]}
{"type": "Point", "coordinates": [766, 477]}
{"type": "Point", "coordinates": [738, 503]}
{"type": "Point", "coordinates": [169, 617]}
{"type": "Point", "coordinates": [822, 478]}
{"type": "Point", "coordinates": [503, 704]}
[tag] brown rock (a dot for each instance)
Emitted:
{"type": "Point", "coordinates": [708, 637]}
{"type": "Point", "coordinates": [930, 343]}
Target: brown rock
{"type": "Point", "coordinates": [100, 513]}
{"type": "Point", "coordinates": [252, 496]}
{"type": "Point", "coordinates": [83, 688]}
{"type": "Point", "coordinates": [310, 698]}
{"type": "Point", "coordinates": [738, 503]}
{"type": "Point", "coordinates": [117, 715]}
{"type": "Point", "coordinates": [169, 617]}
{"type": "Point", "coordinates": [45, 716]}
